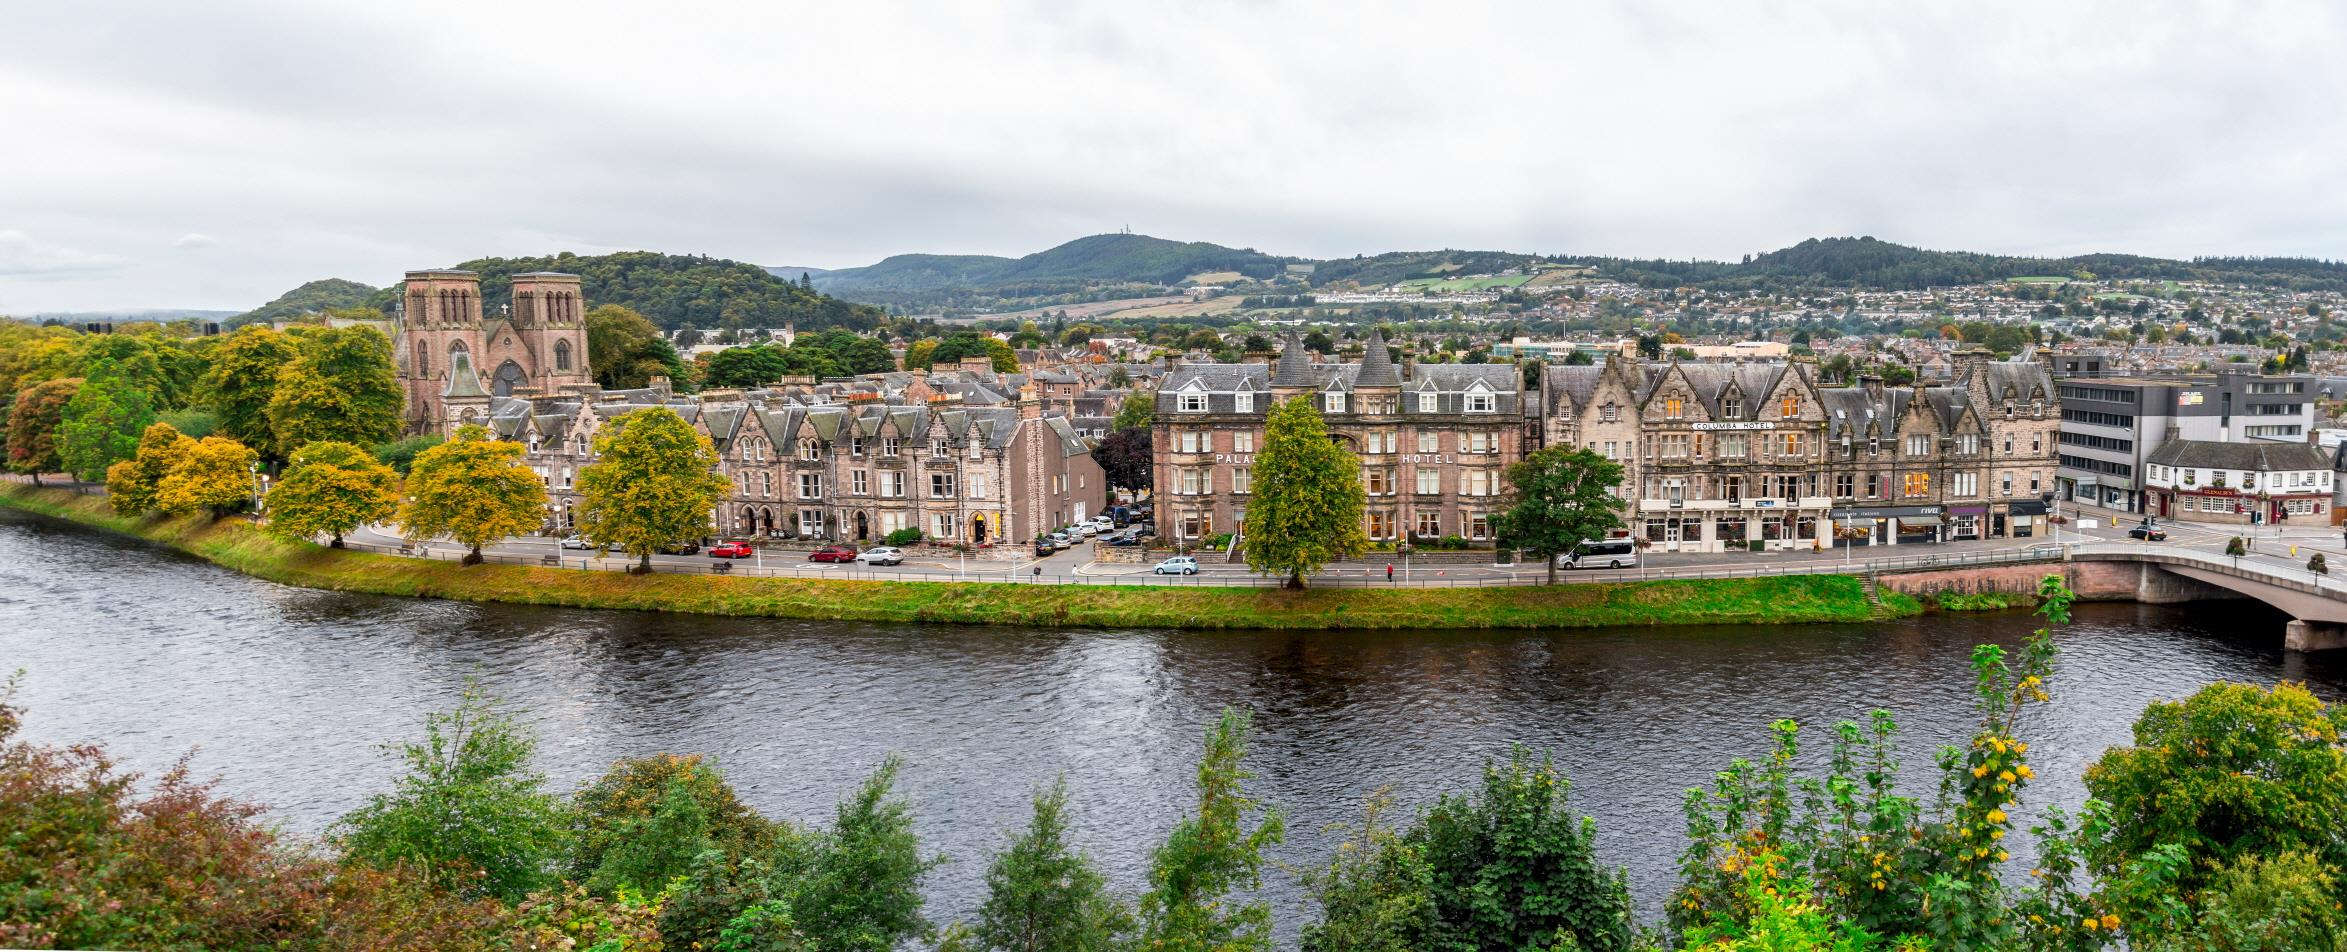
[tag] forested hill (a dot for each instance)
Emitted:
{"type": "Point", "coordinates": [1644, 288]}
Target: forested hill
{"type": "Point", "coordinates": [1869, 263]}
{"type": "Point", "coordinates": [1099, 259]}
{"type": "Point", "coordinates": [675, 290]}
{"type": "Point", "coordinates": [323, 294]}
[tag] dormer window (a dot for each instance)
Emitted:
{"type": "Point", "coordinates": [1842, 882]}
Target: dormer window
{"type": "Point", "coordinates": [940, 449]}
{"type": "Point", "coordinates": [1429, 402]}
{"type": "Point", "coordinates": [1193, 403]}
{"type": "Point", "coordinates": [1334, 402]}
{"type": "Point", "coordinates": [810, 450]}
{"type": "Point", "coordinates": [1791, 407]}
{"type": "Point", "coordinates": [1482, 403]}
{"type": "Point", "coordinates": [891, 446]}
{"type": "Point", "coordinates": [1674, 408]}
{"type": "Point", "coordinates": [1243, 401]}
{"type": "Point", "coordinates": [1609, 413]}
{"type": "Point", "coordinates": [1731, 409]}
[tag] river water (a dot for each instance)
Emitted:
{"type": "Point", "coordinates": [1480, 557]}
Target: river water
{"type": "Point", "coordinates": [288, 694]}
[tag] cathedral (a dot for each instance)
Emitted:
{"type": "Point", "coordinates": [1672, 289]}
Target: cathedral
{"type": "Point", "coordinates": [448, 343]}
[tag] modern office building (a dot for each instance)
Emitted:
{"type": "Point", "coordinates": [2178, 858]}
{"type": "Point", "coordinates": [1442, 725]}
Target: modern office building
{"type": "Point", "coordinates": [2112, 425]}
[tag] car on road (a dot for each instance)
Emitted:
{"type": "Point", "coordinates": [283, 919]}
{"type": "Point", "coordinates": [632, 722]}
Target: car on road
{"type": "Point", "coordinates": [833, 553]}
{"type": "Point", "coordinates": [2148, 533]}
{"type": "Point", "coordinates": [1083, 529]}
{"type": "Point", "coordinates": [681, 548]}
{"type": "Point", "coordinates": [732, 550]}
{"type": "Point", "coordinates": [1127, 537]}
{"type": "Point", "coordinates": [1178, 565]}
{"type": "Point", "coordinates": [882, 555]}
{"type": "Point", "coordinates": [577, 542]}
{"type": "Point", "coordinates": [1600, 553]}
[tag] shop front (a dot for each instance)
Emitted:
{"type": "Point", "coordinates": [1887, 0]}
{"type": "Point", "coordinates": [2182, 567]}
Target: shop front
{"type": "Point", "coordinates": [1889, 525]}
{"type": "Point", "coordinates": [1714, 525]}
{"type": "Point", "coordinates": [1967, 522]}
{"type": "Point", "coordinates": [2025, 518]}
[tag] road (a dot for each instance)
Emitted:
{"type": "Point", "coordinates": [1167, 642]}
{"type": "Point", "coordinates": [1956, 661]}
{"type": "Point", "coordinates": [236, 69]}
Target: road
{"type": "Point", "coordinates": [2284, 546]}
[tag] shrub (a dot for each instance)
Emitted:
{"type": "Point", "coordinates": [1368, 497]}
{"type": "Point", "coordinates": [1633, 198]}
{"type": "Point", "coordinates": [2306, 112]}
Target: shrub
{"type": "Point", "coordinates": [2235, 546]}
{"type": "Point", "coordinates": [902, 537]}
{"type": "Point", "coordinates": [648, 818]}
{"type": "Point", "coordinates": [2318, 565]}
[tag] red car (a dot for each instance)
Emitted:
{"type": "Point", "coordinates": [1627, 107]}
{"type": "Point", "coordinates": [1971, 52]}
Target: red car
{"type": "Point", "coordinates": [732, 550]}
{"type": "Point", "coordinates": [833, 553]}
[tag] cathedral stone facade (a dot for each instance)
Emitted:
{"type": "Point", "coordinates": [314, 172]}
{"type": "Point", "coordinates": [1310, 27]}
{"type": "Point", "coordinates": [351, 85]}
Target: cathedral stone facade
{"type": "Point", "coordinates": [534, 346]}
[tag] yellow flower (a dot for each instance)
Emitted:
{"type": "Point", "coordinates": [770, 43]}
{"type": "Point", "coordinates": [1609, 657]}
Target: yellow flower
{"type": "Point", "coordinates": [2005, 775]}
{"type": "Point", "coordinates": [2093, 923]}
{"type": "Point", "coordinates": [1980, 771]}
{"type": "Point", "coordinates": [2110, 920]}
{"type": "Point", "coordinates": [1996, 816]}
{"type": "Point", "coordinates": [2024, 771]}
{"type": "Point", "coordinates": [1996, 834]}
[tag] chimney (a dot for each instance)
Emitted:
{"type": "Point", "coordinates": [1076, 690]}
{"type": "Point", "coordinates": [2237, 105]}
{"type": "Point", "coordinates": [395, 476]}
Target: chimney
{"type": "Point", "coordinates": [659, 384]}
{"type": "Point", "coordinates": [1030, 406]}
{"type": "Point", "coordinates": [1872, 383]}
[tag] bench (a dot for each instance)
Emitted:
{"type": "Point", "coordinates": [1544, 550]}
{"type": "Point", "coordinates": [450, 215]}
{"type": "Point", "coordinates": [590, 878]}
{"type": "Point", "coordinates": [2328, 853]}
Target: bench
{"type": "Point", "coordinates": [550, 560]}
{"type": "Point", "coordinates": [721, 566]}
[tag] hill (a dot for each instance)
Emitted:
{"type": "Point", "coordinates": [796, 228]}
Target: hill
{"type": "Point", "coordinates": [320, 295]}
{"type": "Point", "coordinates": [1093, 262]}
{"type": "Point", "coordinates": [1867, 262]}
{"type": "Point", "coordinates": [674, 290]}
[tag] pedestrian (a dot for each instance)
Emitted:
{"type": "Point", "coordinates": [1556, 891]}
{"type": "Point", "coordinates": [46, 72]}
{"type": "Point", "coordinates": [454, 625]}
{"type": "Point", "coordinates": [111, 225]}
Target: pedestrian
{"type": "Point", "coordinates": [1389, 573]}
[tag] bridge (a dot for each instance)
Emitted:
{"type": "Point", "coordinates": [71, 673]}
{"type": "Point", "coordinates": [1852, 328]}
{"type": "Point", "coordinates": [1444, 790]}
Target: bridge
{"type": "Point", "coordinates": [2158, 574]}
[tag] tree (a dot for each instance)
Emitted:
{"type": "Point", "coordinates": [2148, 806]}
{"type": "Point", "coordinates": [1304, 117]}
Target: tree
{"type": "Point", "coordinates": [1189, 907]}
{"type": "Point", "coordinates": [214, 475]}
{"type": "Point", "coordinates": [850, 352]}
{"type": "Point", "coordinates": [1139, 409]}
{"type": "Point", "coordinates": [1650, 347]}
{"type": "Point", "coordinates": [470, 812]}
{"type": "Point", "coordinates": [2233, 770]}
{"type": "Point", "coordinates": [1125, 458]}
{"type": "Point", "coordinates": [1513, 869]}
{"type": "Point", "coordinates": [1044, 896]}
{"type": "Point", "coordinates": [962, 344]}
{"type": "Point", "coordinates": [331, 488]}
{"type": "Point", "coordinates": [243, 379]}
{"type": "Point", "coordinates": [653, 484]}
{"type": "Point", "coordinates": [644, 823]}
{"type": "Point", "coordinates": [1563, 495]}
{"type": "Point", "coordinates": [863, 891]}
{"type": "Point", "coordinates": [33, 421]}
{"type": "Point", "coordinates": [135, 485]}
{"type": "Point", "coordinates": [755, 365]}
{"type": "Point", "coordinates": [625, 350]}
{"type": "Point", "coordinates": [401, 454]}
{"type": "Point", "coordinates": [341, 386]}
{"type": "Point", "coordinates": [920, 354]}
{"type": "Point", "coordinates": [1307, 507]}
{"type": "Point", "coordinates": [102, 423]}
{"type": "Point", "coordinates": [1376, 894]}
{"type": "Point", "coordinates": [474, 489]}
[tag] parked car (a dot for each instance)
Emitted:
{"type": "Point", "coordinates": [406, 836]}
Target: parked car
{"type": "Point", "coordinates": [1062, 540]}
{"type": "Point", "coordinates": [882, 555]}
{"type": "Point", "coordinates": [1595, 553]}
{"type": "Point", "coordinates": [2148, 533]}
{"type": "Point", "coordinates": [681, 548]}
{"type": "Point", "coordinates": [1178, 565]}
{"type": "Point", "coordinates": [577, 542]}
{"type": "Point", "coordinates": [1044, 546]}
{"type": "Point", "coordinates": [833, 553]}
{"type": "Point", "coordinates": [1127, 537]}
{"type": "Point", "coordinates": [1085, 529]}
{"type": "Point", "coordinates": [732, 550]}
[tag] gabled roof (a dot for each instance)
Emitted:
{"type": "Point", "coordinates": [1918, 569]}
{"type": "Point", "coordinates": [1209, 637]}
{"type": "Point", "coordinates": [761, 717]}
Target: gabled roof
{"type": "Point", "coordinates": [2255, 457]}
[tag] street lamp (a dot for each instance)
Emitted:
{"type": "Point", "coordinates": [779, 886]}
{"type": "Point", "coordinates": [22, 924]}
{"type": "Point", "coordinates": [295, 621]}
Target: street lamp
{"type": "Point", "coordinates": [2053, 505]}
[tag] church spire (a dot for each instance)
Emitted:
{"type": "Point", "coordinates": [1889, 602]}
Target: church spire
{"type": "Point", "coordinates": [1377, 366]}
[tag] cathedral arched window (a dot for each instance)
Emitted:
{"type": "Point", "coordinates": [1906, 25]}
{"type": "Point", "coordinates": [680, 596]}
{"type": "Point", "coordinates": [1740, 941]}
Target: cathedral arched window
{"type": "Point", "coordinates": [562, 355]}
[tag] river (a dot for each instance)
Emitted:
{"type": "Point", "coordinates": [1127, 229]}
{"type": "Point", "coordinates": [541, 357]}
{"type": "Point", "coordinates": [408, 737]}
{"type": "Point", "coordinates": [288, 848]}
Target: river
{"type": "Point", "coordinates": [288, 695]}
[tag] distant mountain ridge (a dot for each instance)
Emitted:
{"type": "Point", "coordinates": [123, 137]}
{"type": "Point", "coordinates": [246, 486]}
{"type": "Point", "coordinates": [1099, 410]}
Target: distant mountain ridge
{"type": "Point", "coordinates": [1113, 258]}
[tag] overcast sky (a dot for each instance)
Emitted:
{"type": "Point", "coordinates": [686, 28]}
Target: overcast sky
{"type": "Point", "coordinates": [216, 154]}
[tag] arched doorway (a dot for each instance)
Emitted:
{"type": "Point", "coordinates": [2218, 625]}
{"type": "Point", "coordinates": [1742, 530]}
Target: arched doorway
{"type": "Point", "coordinates": [863, 527]}
{"type": "Point", "coordinates": [767, 517]}
{"type": "Point", "coordinates": [978, 529]}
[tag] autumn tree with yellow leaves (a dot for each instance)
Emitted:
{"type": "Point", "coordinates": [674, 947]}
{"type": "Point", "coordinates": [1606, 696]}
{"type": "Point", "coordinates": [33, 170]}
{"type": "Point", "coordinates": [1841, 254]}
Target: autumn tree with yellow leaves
{"type": "Point", "coordinates": [474, 489]}
{"type": "Point", "coordinates": [652, 485]}
{"type": "Point", "coordinates": [331, 488]}
{"type": "Point", "coordinates": [214, 475]}
{"type": "Point", "coordinates": [134, 485]}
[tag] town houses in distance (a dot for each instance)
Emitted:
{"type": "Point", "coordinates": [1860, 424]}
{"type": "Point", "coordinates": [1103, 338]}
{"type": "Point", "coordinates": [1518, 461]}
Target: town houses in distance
{"type": "Point", "coordinates": [963, 456]}
{"type": "Point", "coordinates": [1717, 455]}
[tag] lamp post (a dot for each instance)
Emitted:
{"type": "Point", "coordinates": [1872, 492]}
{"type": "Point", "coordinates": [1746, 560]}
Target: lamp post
{"type": "Point", "coordinates": [2053, 513]}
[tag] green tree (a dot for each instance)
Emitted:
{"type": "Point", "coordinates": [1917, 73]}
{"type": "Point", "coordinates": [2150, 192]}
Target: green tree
{"type": "Point", "coordinates": [962, 344]}
{"type": "Point", "coordinates": [645, 822]}
{"type": "Point", "coordinates": [625, 350]}
{"type": "Point", "coordinates": [135, 485]}
{"type": "Point", "coordinates": [851, 353]}
{"type": "Point", "coordinates": [243, 379]}
{"type": "Point", "coordinates": [331, 488]}
{"type": "Point", "coordinates": [215, 474]}
{"type": "Point", "coordinates": [102, 423]}
{"type": "Point", "coordinates": [755, 365]}
{"type": "Point", "coordinates": [1562, 496]}
{"type": "Point", "coordinates": [474, 489]}
{"type": "Point", "coordinates": [1306, 511]}
{"type": "Point", "coordinates": [33, 421]}
{"type": "Point", "coordinates": [340, 386]}
{"type": "Point", "coordinates": [1376, 893]}
{"type": "Point", "coordinates": [470, 811]}
{"type": "Point", "coordinates": [1207, 857]}
{"type": "Point", "coordinates": [1512, 868]}
{"type": "Point", "coordinates": [653, 484]}
{"type": "Point", "coordinates": [2234, 770]}
{"type": "Point", "coordinates": [1042, 895]}
{"type": "Point", "coordinates": [401, 454]}
{"type": "Point", "coordinates": [1139, 409]}
{"type": "Point", "coordinates": [862, 892]}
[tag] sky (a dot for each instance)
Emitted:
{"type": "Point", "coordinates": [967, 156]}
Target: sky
{"type": "Point", "coordinates": [217, 154]}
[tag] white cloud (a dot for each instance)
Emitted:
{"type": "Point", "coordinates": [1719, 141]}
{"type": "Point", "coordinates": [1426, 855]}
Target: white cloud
{"type": "Point", "coordinates": [21, 256]}
{"type": "Point", "coordinates": [345, 139]}
{"type": "Point", "coordinates": [195, 240]}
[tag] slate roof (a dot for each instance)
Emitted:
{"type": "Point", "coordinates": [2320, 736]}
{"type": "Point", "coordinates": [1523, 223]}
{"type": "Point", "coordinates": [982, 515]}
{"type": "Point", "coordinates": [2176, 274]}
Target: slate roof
{"type": "Point", "coordinates": [2255, 457]}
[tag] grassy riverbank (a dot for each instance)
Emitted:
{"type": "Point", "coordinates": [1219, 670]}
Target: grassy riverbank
{"type": "Point", "coordinates": [236, 544]}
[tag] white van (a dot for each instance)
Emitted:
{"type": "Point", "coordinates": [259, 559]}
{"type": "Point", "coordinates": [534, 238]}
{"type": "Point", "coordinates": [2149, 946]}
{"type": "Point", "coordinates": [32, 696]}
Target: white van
{"type": "Point", "coordinates": [1597, 554]}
